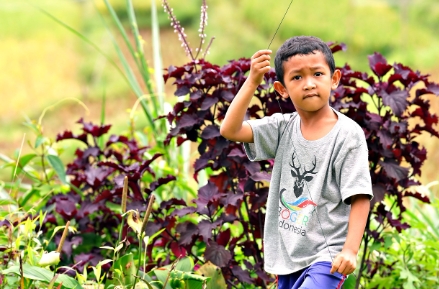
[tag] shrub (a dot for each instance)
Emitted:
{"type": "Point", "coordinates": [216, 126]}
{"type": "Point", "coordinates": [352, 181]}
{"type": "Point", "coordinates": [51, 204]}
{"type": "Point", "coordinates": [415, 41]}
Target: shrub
{"type": "Point", "coordinates": [384, 103]}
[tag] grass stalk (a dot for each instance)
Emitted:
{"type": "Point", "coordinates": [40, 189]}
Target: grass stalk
{"type": "Point", "coordinates": [63, 237]}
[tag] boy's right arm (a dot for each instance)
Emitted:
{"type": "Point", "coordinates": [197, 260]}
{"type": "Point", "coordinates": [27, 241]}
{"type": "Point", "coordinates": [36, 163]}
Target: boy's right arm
{"type": "Point", "coordinates": [233, 126]}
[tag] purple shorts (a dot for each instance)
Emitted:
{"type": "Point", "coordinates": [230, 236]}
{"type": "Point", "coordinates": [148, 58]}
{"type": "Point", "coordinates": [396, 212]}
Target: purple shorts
{"type": "Point", "coordinates": [316, 276]}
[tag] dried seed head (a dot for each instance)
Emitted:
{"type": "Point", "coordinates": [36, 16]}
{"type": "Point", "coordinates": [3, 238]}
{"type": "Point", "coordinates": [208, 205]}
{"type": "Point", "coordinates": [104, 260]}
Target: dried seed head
{"type": "Point", "coordinates": [124, 195]}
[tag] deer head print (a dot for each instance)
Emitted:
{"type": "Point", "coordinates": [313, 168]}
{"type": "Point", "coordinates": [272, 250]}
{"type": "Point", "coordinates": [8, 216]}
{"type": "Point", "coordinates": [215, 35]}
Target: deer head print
{"type": "Point", "coordinates": [301, 178]}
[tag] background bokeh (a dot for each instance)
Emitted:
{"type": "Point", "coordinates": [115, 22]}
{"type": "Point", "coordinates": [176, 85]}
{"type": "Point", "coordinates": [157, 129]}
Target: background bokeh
{"type": "Point", "coordinates": [42, 62]}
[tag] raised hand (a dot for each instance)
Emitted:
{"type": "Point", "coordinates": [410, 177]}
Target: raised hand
{"type": "Point", "coordinates": [260, 64]}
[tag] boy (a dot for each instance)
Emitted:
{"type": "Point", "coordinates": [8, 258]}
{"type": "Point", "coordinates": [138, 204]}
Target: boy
{"type": "Point", "coordinates": [320, 187]}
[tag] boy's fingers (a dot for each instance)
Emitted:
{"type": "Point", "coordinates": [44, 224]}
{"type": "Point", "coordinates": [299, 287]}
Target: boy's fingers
{"type": "Point", "coordinates": [342, 268]}
{"type": "Point", "coordinates": [335, 265]}
{"type": "Point", "coordinates": [260, 53]}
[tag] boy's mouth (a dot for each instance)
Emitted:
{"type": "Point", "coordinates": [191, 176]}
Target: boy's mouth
{"type": "Point", "coordinates": [310, 95]}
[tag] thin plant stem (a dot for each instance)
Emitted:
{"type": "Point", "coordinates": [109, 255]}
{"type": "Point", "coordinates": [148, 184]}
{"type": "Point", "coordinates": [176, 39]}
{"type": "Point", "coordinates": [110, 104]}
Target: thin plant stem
{"type": "Point", "coordinates": [63, 237]}
{"type": "Point", "coordinates": [140, 260]}
{"type": "Point", "coordinates": [148, 212]}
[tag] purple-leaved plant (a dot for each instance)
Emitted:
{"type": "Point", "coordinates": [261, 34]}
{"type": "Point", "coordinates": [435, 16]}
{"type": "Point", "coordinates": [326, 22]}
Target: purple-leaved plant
{"type": "Point", "coordinates": [384, 103]}
{"type": "Point", "coordinates": [98, 173]}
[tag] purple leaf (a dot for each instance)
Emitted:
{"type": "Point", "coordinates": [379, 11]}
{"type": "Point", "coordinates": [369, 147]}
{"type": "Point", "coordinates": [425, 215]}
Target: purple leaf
{"type": "Point", "coordinates": [379, 192]}
{"type": "Point", "coordinates": [233, 199]}
{"type": "Point", "coordinates": [94, 130]}
{"type": "Point", "coordinates": [378, 64]}
{"type": "Point", "coordinates": [396, 99]}
{"type": "Point", "coordinates": [261, 176]}
{"type": "Point", "coordinates": [227, 95]}
{"type": "Point", "coordinates": [223, 237]}
{"type": "Point", "coordinates": [208, 102]}
{"type": "Point", "coordinates": [252, 167]}
{"type": "Point", "coordinates": [207, 194]}
{"type": "Point", "coordinates": [201, 164]}
{"type": "Point", "coordinates": [236, 152]}
{"type": "Point", "coordinates": [418, 196]}
{"type": "Point", "coordinates": [205, 228]}
{"type": "Point", "coordinates": [182, 91]}
{"type": "Point", "coordinates": [210, 132]}
{"type": "Point", "coordinates": [187, 120]}
{"type": "Point", "coordinates": [183, 212]}
{"type": "Point", "coordinates": [217, 254]}
{"type": "Point", "coordinates": [385, 138]}
{"type": "Point", "coordinates": [394, 170]}
{"type": "Point", "coordinates": [87, 209]}
{"type": "Point", "coordinates": [90, 259]}
{"type": "Point", "coordinates": [161, 181]}
{"type": "Point", "coordinates": [433, 87]}
{"type": "Point", "coordinates": [95, 176]}
{"type": "Point", "coordinates": [242, 275]}
{"type": "Point", "coordinates": [69, 243]}
{"type": "Point", "coordinates": [196, 95]}
{"type": "Point", "coordinates": [187, 232]}
{"type": "Point", "coordinates": [66, 205]}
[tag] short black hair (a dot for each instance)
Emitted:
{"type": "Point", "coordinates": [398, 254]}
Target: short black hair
{"type": "Point", "coordinates": [301, 45]}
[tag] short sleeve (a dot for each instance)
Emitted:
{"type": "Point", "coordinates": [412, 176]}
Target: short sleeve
{"type": "Point", "coordinates": [266, 134]}
{"type": "Point", "coordinates": [352, 173]}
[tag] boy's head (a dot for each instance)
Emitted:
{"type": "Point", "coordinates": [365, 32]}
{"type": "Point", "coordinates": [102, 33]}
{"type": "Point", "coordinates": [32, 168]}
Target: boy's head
{"type": "Point", "coordinates": [301, 45]}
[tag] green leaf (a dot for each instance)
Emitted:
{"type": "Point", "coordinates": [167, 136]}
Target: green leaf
{"type": "Point", "coordinates": [216, 277]}
{"type": "Point", "coordinates": [58, 167]}
{"type": "Point", "coordinates": [42, 274]}
{"type": "Point", "coordinates": [40, 139]}
{"type": "Point", "coordinates": [67, 281]}
{"type": "Point", "coordinates": [349, 283]}
{"type": "Point", "coordinates": [127, 269]}
{"type": "Point", "coordinates": [4, 202]}
{"type": "Point", "coordinates": [156, 234]}
{"type": "Point", "coordinates": [29, 194]}
{"type": "Point", "coordinates": [24, 160]}
{"type": "Point", "coordinates": [185, 264]}
{"type": "Point", "coordinates": [162, 274]}
{"type": "Point", "coordinates": [411, 278]}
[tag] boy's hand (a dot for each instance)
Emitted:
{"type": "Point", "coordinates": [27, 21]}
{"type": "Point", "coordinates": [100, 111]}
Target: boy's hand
{"type": "Point", "coordinates": [345, 262]}
{"type": "Point", "coordinates": [260, 64]}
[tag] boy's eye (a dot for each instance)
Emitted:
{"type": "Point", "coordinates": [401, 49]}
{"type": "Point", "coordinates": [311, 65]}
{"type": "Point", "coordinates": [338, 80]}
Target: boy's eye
{"type": "Point", "coordinates": [297, 77]}
{"type": "Point", "coordinates": [318, 74]}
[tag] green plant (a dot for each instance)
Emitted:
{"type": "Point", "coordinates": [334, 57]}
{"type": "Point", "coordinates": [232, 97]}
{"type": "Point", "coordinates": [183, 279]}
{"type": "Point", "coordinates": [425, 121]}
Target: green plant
{"type": "Point", "coordinates": [407, 259]}
{"type": "Point", "coordinates": [383, 102]}
{"type": "Point", "coordinates": [25, 263]}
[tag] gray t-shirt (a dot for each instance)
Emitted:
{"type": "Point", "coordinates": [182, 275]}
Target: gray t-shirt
{"type": "Point", "coordinates": [309, 190]}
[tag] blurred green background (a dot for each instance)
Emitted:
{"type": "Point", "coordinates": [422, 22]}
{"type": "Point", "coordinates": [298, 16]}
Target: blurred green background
{"type": "Point", "coordinates": [42, 63]}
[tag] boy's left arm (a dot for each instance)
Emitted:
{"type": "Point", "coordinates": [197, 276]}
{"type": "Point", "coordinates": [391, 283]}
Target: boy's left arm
{"type": "Point", "coordinates": [346, 262]}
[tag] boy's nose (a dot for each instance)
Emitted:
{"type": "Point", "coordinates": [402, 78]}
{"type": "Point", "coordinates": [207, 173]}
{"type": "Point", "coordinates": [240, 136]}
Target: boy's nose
{"type": "Point", "coordinates": [309, 84]}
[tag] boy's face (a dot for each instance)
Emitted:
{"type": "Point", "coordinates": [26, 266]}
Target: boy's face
{"type": "Point", "coordinates": [308, 81]}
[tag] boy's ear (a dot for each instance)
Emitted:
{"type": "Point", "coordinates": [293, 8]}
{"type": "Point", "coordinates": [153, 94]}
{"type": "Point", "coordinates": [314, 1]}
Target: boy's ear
{"type": "Point", "coordinates": [336, 76]}
{"type": "Point", "coordinates": [280, 89]}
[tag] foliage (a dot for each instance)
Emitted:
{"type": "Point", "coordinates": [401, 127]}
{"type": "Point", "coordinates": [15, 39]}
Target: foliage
{"type": "Point", "coordinates": [392, 107]}
{"type": "Point", "coordinates": [383, 103]}
{"type": "Point", "coordinates": [409, 259]}
{"type": "Point", "coordinates": [98, 173]}
{"type": "Point", "coordinates": [25, 263]}
{"type": "Point", "coordinates": [224, 225]}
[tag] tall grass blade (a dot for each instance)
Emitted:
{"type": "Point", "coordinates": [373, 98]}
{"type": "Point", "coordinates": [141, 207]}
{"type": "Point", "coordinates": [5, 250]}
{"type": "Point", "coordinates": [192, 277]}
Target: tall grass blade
{"type": "Point", "coordinates": [132, 80]}
{"type": "Point", "coordinates": [158, 65]}
{"type": "Point", "coordinates": [104, 101]}
{"type": "Point", "coordinates": [84, 39]}
{"type": "Point", "coordinates": [122, 31]}
{"type": "Point", "coordinates": [144, 69]}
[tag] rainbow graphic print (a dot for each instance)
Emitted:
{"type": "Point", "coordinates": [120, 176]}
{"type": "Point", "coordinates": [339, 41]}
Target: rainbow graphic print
{"type": "Point", "coordinates": [297, 205]}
